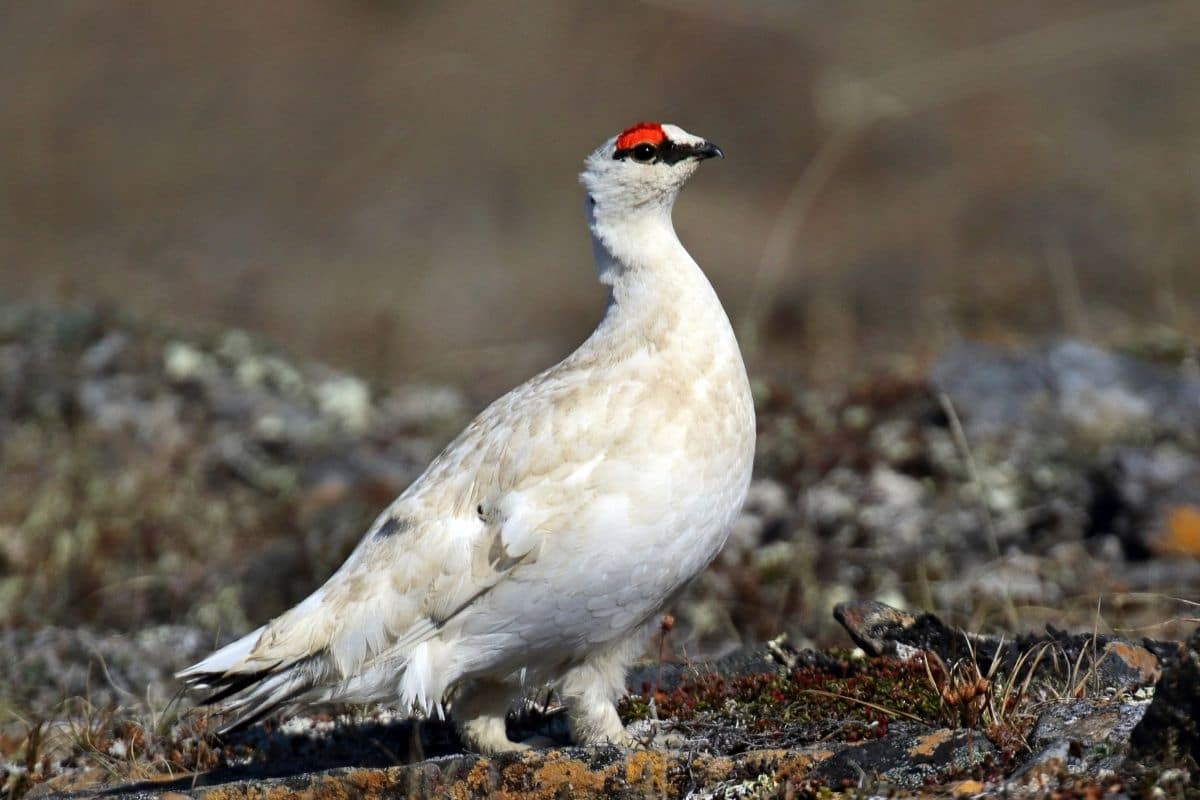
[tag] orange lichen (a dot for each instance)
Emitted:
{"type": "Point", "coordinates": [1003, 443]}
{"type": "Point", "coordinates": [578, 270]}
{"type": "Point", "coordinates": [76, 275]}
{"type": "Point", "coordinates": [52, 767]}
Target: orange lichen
{"type": "Point", "coordinates": [928, 744]}
{"type": "Point", "coordinates": [966, 788]}
{"type": "Point", "coordinates": [793, 767]}
{"type": "Point", "coordinates": [1139, 658]}
{"type": "Point", "coordinates": [564, 774]}
{"type": "Point", "coordinates": [481, 779]}
{"type": "Point", "coordinates": [647, 769]}
{"type": "Point", "coordinates": [1181, 531]}
{"type": "Point", "coordinates": [371, 782]}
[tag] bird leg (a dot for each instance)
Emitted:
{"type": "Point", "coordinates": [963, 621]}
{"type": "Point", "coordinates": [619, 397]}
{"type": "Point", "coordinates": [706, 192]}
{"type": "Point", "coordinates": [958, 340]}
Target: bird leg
{"type": "Point", "coordinates": [590, 691]}
{"type": "Point", "coordinates": [480, 707]}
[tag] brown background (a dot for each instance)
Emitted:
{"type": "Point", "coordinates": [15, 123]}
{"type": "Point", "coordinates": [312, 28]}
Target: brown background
{"type": "Point", "coordinates": [391, 186]}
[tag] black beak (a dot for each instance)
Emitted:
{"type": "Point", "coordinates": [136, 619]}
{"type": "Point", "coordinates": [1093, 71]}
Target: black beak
{"type": "Point", "coordinates": [674, 153]}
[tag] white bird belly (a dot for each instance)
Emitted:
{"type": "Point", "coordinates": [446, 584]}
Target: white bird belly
{"type": "Point", "coordinates": [632, 553]}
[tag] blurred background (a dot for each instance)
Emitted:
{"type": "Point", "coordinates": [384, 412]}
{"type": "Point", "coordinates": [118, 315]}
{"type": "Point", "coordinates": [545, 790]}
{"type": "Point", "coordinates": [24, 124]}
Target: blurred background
{"type": "Point", "coordinates": [391, 187]}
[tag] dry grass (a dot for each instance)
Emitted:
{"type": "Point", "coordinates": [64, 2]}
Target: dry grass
{"type": "Point", "coordinates": [1004, 704]}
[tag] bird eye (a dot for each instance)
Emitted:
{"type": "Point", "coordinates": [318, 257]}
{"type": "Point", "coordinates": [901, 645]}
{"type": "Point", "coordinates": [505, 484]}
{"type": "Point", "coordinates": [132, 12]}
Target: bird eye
{"type": "Point", "coordinates": [643, 152]}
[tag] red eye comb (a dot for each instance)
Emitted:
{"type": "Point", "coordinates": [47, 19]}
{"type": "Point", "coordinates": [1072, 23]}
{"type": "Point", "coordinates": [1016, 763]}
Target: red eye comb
{"type": "Point", "coordinates": [641, 133]}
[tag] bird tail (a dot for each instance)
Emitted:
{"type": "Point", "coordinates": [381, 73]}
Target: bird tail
{"type": "Point", "coordinates": [312, 654]}
{"type": "Point", "coordinates": [248, 687]}
{"type": "Point", "coordinates": [266, 669]}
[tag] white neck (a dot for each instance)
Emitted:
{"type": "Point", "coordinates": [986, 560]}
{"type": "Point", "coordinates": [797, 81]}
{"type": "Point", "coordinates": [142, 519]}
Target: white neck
{"type": "Point", "coordinates": [637, 247]}
{"type": "Point", "coordinates": [651, 277]}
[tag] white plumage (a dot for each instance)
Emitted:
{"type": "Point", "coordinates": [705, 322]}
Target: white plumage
{"type": "Point", "coordinates": [542, 540]}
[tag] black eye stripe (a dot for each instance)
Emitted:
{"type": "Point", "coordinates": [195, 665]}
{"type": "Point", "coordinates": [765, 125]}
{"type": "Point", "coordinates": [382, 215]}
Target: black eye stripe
{"type": "Point", "coordinates": [666, 153]}
{"type": "Point", "coordinates": [673, 153]}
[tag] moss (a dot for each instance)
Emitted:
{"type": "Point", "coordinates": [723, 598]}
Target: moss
{"type": "Point", "coordinates": [862, 696]}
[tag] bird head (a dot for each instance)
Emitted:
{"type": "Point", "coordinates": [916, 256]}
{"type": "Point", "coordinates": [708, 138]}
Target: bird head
{"type": "Point", "coordinates": [642, 169]}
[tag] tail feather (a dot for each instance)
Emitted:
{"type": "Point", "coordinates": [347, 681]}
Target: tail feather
{"type": "Point", "coordinates": [248, 697]}
{"type": "Point", "coordinates": [229, 660]}
{"type": "Point", "coordinates": [270, 694]}
{"type": "Point", "coordinates": [229, 685]}
{"type": "Point", "coordinates": [249, 688]}
{"type": "Point", "coordinates": [317, 653]}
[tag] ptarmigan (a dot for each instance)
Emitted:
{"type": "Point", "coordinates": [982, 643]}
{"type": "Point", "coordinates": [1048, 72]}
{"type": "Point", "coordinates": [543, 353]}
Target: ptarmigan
{"type": "Point", "coordinates": [544, 538]}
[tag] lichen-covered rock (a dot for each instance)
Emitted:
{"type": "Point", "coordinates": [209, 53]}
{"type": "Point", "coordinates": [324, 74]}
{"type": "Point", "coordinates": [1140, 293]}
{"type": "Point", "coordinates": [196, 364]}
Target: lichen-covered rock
{"type": "Point", "coordinates": [1044, 770]}
{"type": "Point", "coordinates": [908, 757]}
{"type": "Point", "coordinates": [1089, 724]}
{"type": "Point", "coordinates": [1102, 662]}
{"type": "Point", "coordinates": [1169, 732]}
{"type": "Point", "coordinates": [1156, 499]}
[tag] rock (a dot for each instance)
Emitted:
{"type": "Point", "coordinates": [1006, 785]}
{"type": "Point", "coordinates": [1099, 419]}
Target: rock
{"type": "Point", "coordinates": [882, 630]}
{"type": "Point", "coordinates": [1015, 577]}
{"type": "Point", "coordinates": [831, 504]}
{"type": "Point", "coordinates": [1095, 392]}
{"type": "Point", "coordinates": [767, 499]}
{"type": "Point", "coordinates": [1153, 500]}
{"type": "Point", "coordinates": [346, 399]}
{"type": "Point", "coordinates": [1108, 662]}
{"type": "Point", "coordinates": [992, 390]}
{"type": "Point", "coordinates": [763, 517]}
{"type": "Point", "coordinates": [758, 660]}
{"type": "Point", "coordinates": [910, 756]}
{"type": "Point", "coordinates": [1124, 666]}
{"type": "Point", "coordinates": [900, 508]}
{"type": "Point", "coordinates": [1088, 723]}
{"type": "Point", "coordinates": [1084, 740]}
{"type": "Point", "coordinates": [1169, 732]}
{"type": "Point", "coordinates": [1046, 769]}
{"type": "Point", "coordinates": [105, 355]}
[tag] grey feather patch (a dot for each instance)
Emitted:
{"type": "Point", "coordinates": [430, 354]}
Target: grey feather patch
{"type": "Point", "coordinates": [392, 526]}
{"type": "Point", "coordinates": [498, 558]}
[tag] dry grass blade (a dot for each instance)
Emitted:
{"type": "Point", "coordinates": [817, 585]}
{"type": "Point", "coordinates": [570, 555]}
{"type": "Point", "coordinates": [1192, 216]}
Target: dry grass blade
{"type": "Point", "coordinates": [1064, 278]}
{"type": "Point", "coordinates": [999, 701]}
{"type": "Point", "coordinates": [866, 703]}
{"type": "Point", "coordinates": [1078, 677]}
{"type": "Point", "coordinates": [964, 448]}
{"type": "Point", "coordinates": [33, 745]}
{"type": "Point", "coordinates": [1007, 702]}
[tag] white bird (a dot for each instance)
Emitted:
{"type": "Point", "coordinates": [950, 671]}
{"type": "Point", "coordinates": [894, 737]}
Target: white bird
{"type": "Point", "coordinates": [542, 541]}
